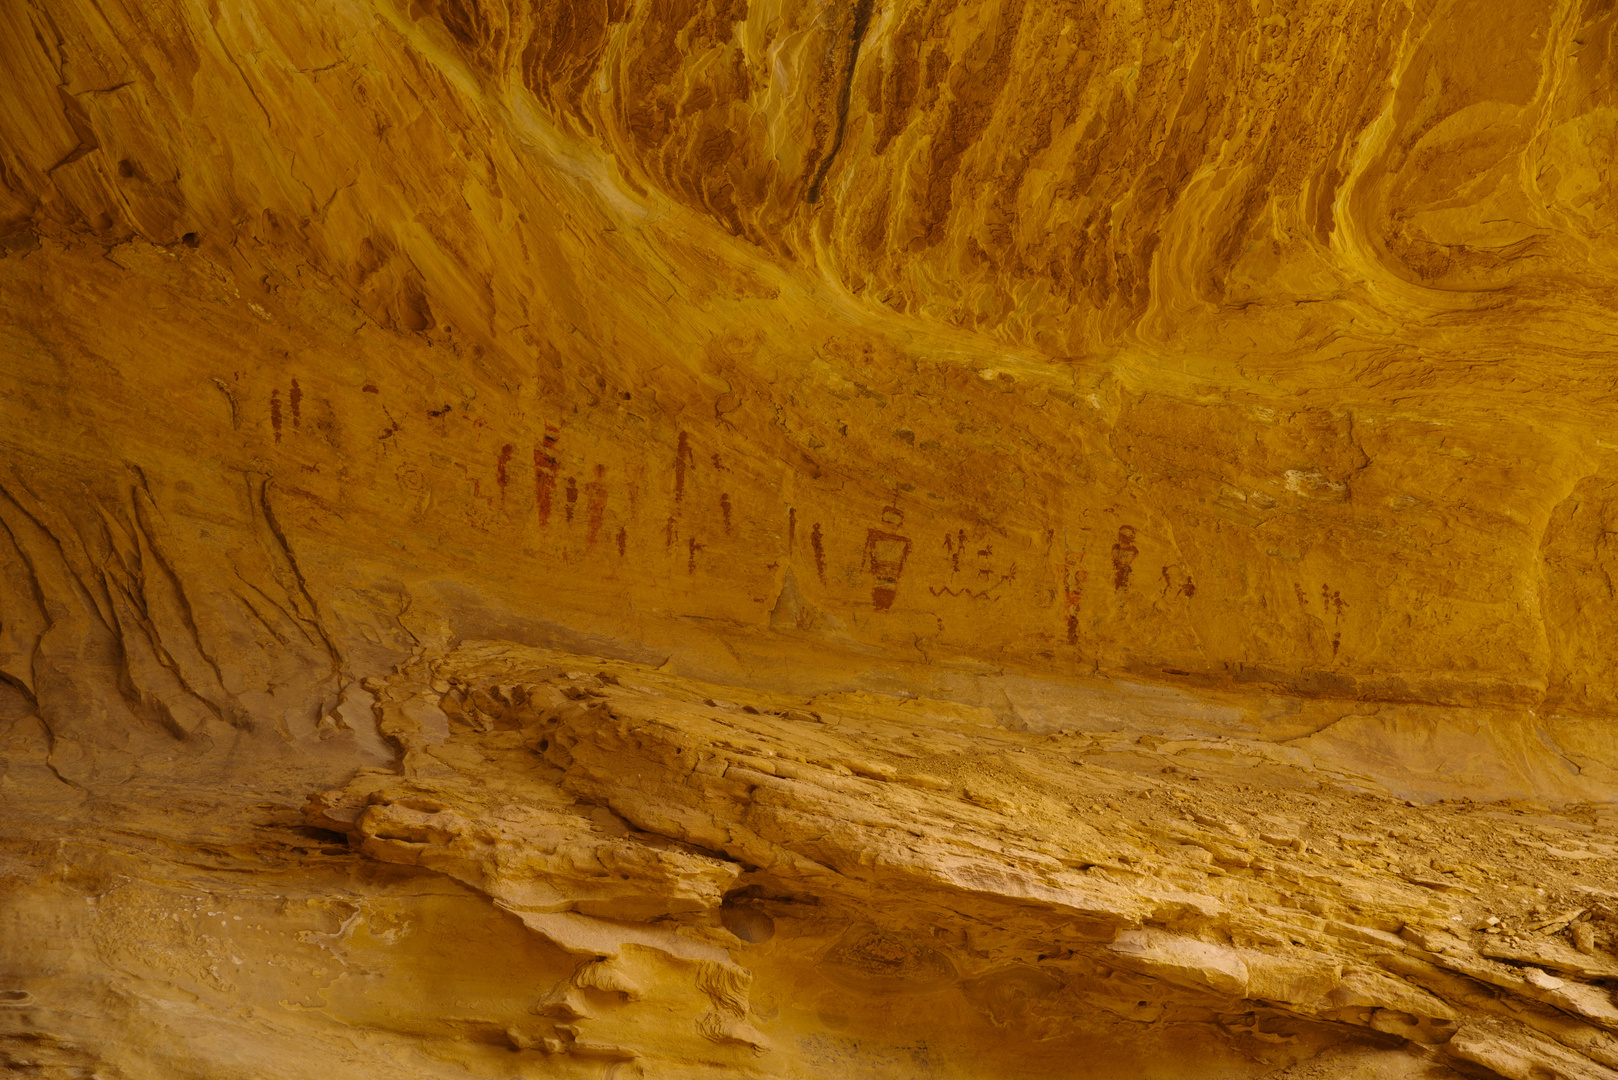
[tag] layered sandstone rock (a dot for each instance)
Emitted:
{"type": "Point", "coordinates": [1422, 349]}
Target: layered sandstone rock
{"type": "Point", "coordinates": [782, 539]}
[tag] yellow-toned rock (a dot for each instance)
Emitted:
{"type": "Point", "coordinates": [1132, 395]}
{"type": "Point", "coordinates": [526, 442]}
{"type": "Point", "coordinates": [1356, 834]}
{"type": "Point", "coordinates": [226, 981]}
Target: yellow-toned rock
{"type": "Point", "coordinates": [960, 538]}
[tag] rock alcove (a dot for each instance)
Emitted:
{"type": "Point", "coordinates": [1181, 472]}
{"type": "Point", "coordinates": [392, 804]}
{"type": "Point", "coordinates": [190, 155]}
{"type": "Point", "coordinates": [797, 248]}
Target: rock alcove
{"type": "Point", "coordinates": [702, 539]}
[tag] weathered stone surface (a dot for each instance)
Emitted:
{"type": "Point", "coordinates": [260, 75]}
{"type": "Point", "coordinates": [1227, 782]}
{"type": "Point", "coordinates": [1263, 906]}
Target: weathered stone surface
{"type": "Point", "coordinates": [930, 537]}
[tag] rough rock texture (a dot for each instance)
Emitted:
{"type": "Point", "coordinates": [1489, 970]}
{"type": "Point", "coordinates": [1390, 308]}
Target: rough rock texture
{"type": "Point", "coordinates": [877, 539]}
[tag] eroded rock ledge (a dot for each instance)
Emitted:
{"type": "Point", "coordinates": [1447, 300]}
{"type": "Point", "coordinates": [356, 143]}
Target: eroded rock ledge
{"type": "Point", "coordinates": [577, 864]}
{"type": "Point", "coordinates": [850, 855]}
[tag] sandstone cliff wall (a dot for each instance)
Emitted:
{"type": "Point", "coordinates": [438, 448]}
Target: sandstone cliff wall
{"type": "Point", "coordinates": [1187, 370]}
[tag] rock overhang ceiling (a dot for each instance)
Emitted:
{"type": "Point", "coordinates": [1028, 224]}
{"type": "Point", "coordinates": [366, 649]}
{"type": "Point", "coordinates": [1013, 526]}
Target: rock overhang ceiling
{"type": "Point", "coordinates": [1214, 370]}
{"type": "Point", "coordinates": [1276, 299]}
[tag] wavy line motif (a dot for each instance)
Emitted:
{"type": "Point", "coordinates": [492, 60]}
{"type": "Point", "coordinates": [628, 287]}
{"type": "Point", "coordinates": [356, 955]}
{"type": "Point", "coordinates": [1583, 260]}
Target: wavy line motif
{"type": "Point", "coordinates": [947, 591]}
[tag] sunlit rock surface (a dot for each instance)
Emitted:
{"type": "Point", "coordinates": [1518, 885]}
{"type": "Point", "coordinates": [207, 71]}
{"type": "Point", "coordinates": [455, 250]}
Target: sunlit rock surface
{"type": "Point", "coordinates": [878, 539]}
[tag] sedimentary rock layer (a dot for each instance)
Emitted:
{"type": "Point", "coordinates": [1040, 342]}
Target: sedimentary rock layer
{"type": "Point", "coordinates": [1201, 341]}
{"type": "Point", "coordinates": [580, 865]}
{"type": "Point", "coordinates": [915, 425]}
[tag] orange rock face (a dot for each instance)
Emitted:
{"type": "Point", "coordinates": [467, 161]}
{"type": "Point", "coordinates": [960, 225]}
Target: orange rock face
{"type": "Point", "coordinates": [777, 539]}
